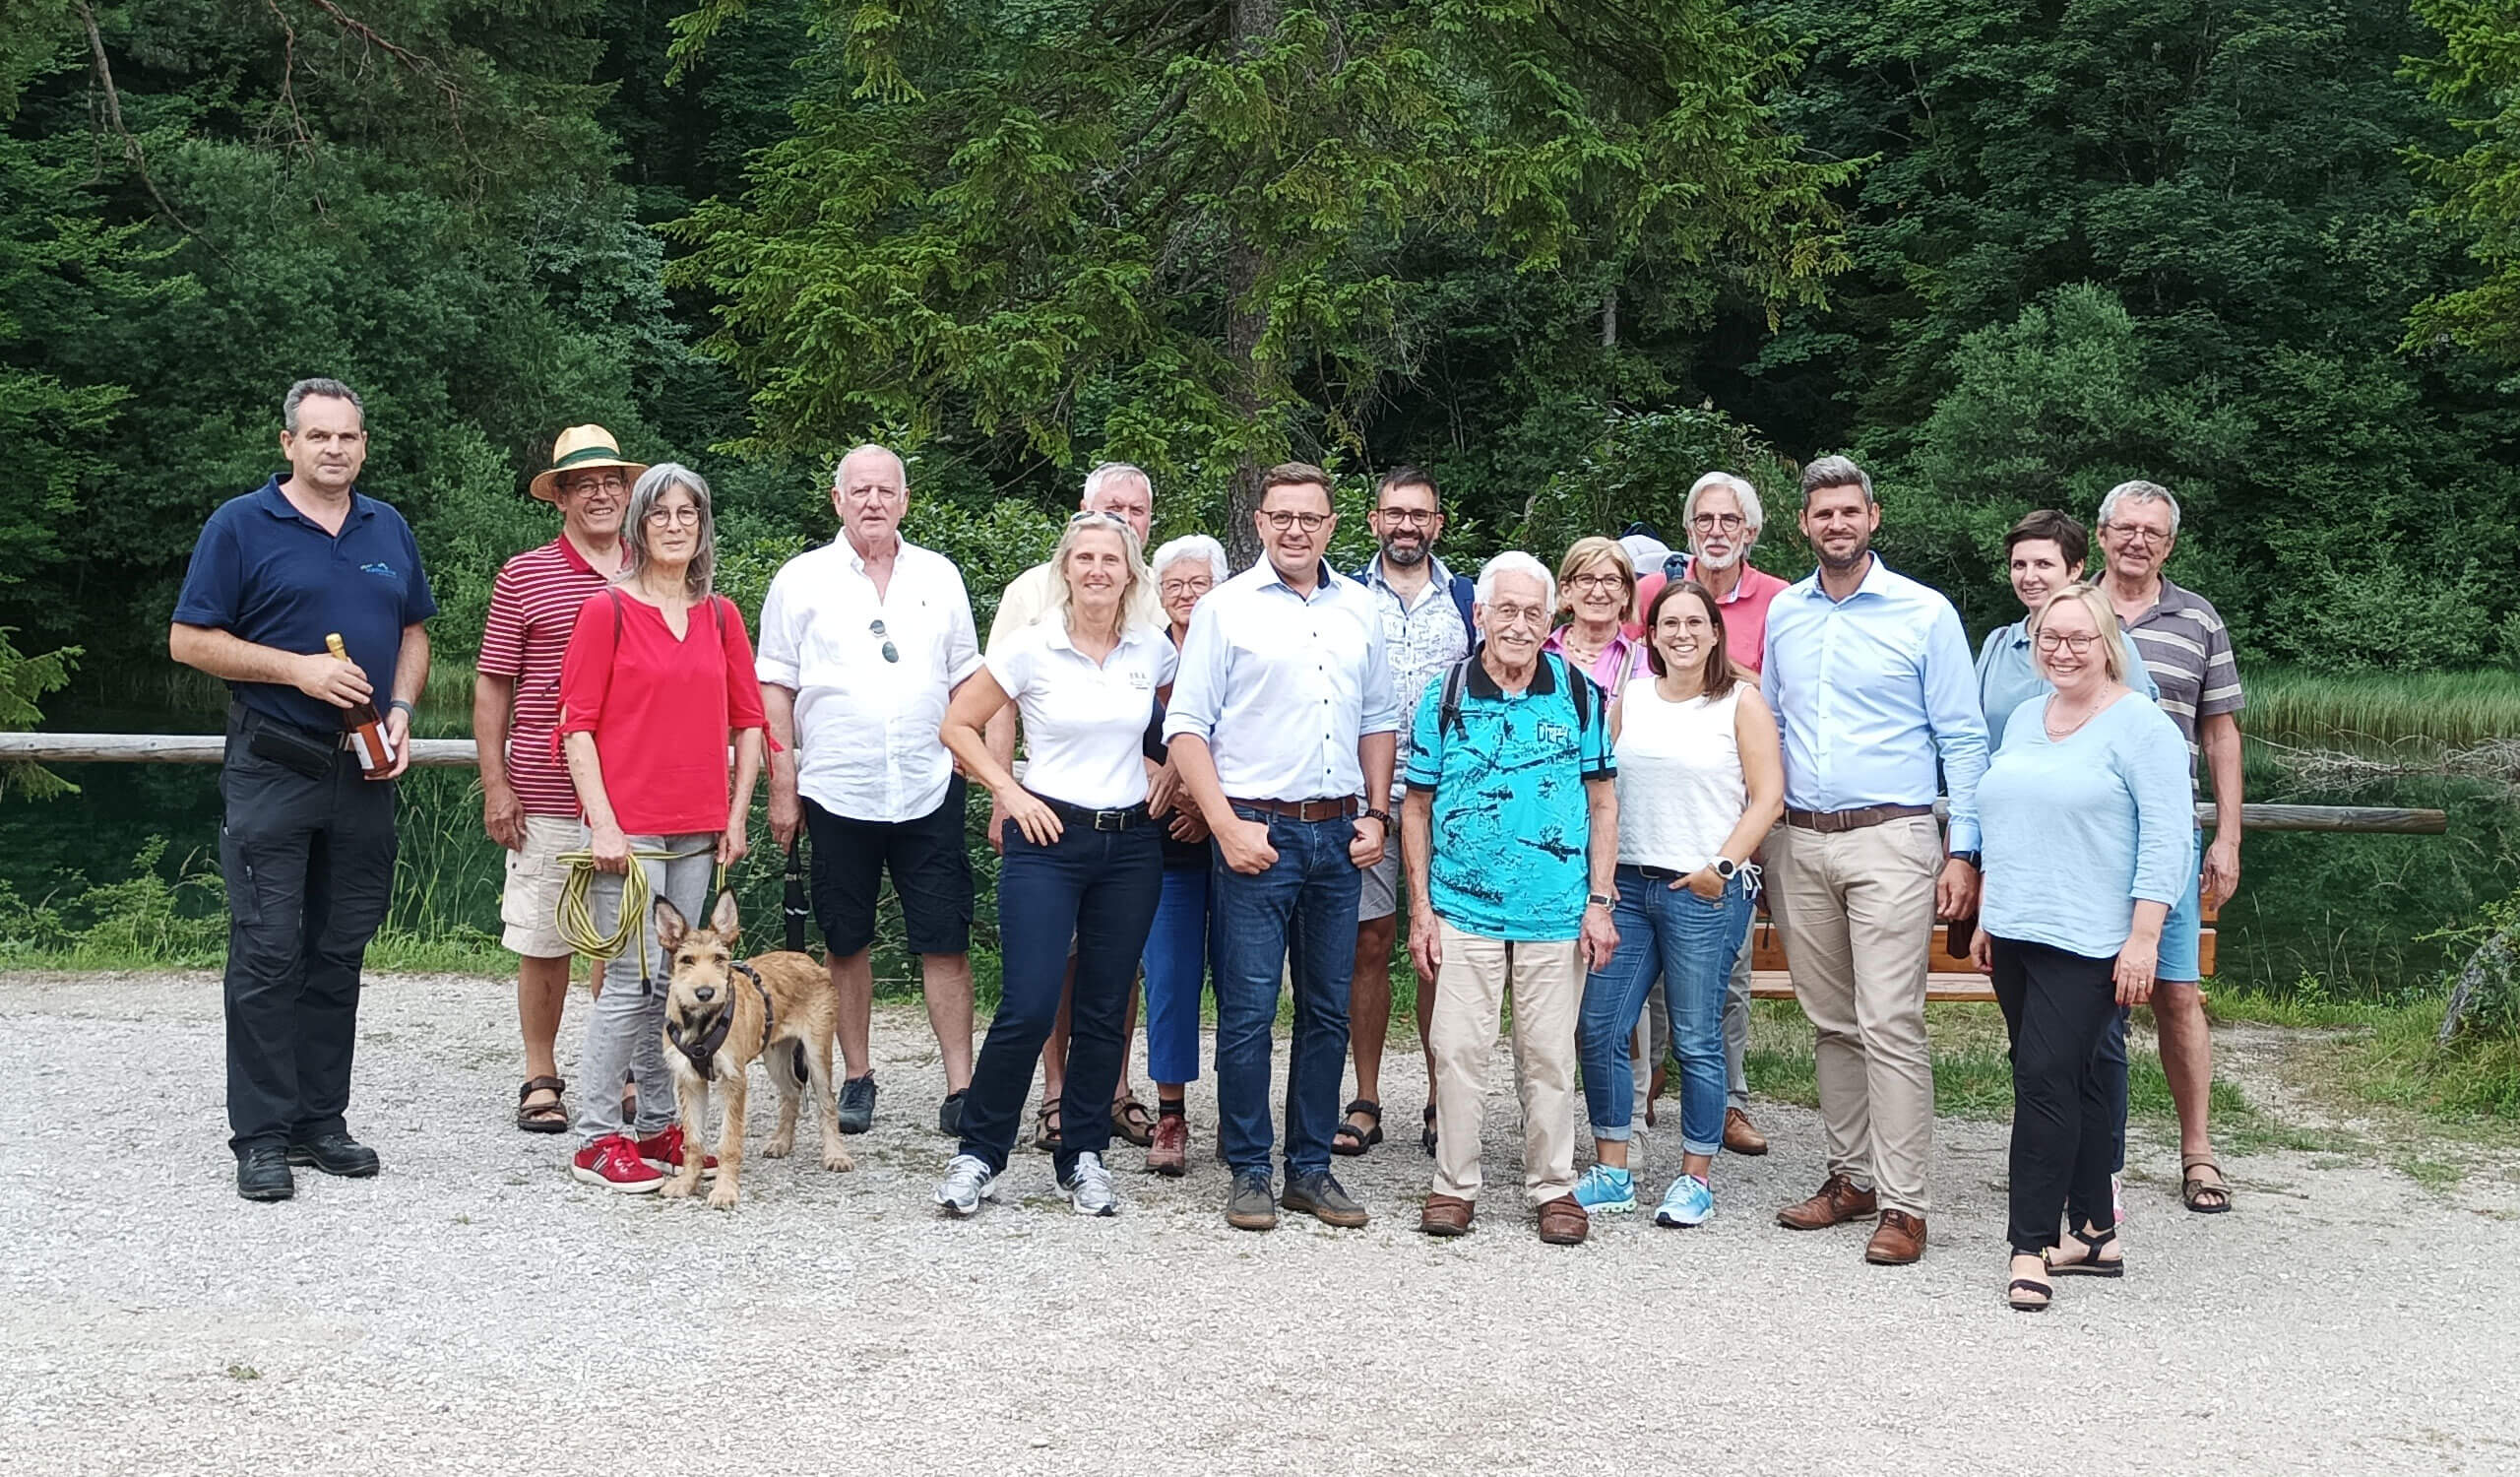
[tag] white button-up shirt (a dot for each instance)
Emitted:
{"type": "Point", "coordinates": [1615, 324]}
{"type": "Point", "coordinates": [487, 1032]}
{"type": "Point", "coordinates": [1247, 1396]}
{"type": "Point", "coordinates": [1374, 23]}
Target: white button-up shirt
{"type": "Point", "coordinates": [1282, 687]}
{"type": "Point", "coordinates": [867, 728]}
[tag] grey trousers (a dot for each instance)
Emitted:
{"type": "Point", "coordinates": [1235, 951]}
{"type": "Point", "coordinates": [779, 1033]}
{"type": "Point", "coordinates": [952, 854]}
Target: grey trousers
{"type": "Point", "coordinates": [626, 1029]}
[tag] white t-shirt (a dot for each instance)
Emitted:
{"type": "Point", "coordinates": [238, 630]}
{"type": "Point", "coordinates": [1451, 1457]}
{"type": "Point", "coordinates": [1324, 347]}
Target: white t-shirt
{"type": "Point", "coordinates": [1084, 722]}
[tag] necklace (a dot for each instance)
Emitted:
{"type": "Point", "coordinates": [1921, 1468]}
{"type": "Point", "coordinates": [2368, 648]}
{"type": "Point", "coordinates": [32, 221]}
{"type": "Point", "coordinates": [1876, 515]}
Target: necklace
{"type": "Point", "coordinates": [2056, 728]}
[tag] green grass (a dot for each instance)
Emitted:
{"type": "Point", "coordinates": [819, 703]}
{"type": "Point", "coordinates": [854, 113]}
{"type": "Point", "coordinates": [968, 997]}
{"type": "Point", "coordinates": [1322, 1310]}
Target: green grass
{"type": "Point", "coordinates": [2453, 709]}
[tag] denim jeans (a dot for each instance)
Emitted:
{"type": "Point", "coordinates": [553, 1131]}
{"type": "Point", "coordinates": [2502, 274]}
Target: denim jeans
{"type": "Point", "coordinates": [1176, 975]}
{"type": "Point", "coordinates": [1099, 888]}
{"type": "Point", "coordinates": [1692, 944]}
{"type": "Point", "coordinates": [1299, 915]}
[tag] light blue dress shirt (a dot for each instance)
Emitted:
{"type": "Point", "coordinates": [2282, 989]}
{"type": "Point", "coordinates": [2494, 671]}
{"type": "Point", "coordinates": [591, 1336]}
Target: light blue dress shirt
{"type": "Point", "coordinates": [2007, 678]}
{"type": "Point", "coordinates": [1282, 686]}
{"type": "Point", "coordinates": [2078, 830]}
{"type": "Point", "coordinates": [1869, 693]}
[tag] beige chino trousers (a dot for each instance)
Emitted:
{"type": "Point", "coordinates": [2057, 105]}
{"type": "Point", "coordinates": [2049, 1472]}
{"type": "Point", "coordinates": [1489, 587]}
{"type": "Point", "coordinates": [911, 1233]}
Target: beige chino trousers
{"type": "Point", "coordinates": [1857, 923]}
{"type": "Point", "coordinates": [1548, 981]}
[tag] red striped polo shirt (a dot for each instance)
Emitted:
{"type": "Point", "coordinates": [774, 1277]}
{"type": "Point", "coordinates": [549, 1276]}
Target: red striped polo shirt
{"type": "Point", "coordinates": [533, 606]}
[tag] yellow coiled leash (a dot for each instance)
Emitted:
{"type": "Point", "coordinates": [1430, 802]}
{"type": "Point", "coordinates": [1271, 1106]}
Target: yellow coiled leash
{"type": "Point", "coordinates": [576, 916]}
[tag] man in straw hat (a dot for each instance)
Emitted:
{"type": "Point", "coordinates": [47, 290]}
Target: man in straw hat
{"type": "Point", "coordinates": [528, 805]}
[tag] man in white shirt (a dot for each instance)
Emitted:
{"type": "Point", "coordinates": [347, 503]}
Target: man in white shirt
{"type": "Point", "coordinates": [1282, 719]}
{"type": "Point", "coordinates": [1127, 493]}
{"type": "Point", "coordinates": [863, 644]}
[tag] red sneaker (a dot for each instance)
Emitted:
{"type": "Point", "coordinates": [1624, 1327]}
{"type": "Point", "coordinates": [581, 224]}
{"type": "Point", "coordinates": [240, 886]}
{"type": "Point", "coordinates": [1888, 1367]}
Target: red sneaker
{"type": "Point", "coordinates": [614, 1162]}
{"type": "Point", "coordinates": [664, 1150]}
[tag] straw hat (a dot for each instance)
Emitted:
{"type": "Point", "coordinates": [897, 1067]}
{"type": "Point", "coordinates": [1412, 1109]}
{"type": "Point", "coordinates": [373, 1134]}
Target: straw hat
{"type": "Point", "coordinates": [582, 446]}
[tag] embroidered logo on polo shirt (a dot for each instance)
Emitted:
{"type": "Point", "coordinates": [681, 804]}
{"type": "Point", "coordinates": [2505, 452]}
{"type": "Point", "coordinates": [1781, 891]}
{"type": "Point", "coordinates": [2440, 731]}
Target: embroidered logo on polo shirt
{"type": "Point", "coordinates": [1141, 680]}
{"type": "Point", "coordinates": [1555, 732]}
{"type": "Point", "coordinates": [380, 569]}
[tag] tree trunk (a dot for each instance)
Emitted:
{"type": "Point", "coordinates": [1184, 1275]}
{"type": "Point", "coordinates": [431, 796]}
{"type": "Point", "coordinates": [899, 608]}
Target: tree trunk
{"type": "Point", "coordinates": [1245, 324]}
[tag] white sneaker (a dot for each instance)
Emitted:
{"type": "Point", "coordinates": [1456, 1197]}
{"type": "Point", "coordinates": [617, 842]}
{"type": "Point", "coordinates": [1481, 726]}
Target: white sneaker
{"type": "Point", "coordinates": [1089, 1187]}
{"type": "Point", "coordinates": [968, 1180]}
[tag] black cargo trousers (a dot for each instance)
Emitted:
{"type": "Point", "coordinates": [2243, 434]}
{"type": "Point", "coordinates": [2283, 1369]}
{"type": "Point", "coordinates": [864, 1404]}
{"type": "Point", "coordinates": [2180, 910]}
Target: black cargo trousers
{"type": "Point", "coordinates": [307, 848]}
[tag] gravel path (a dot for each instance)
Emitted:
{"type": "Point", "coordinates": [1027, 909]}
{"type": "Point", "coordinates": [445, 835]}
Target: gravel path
{"type": "Point", "coordinates": [472, 1309]}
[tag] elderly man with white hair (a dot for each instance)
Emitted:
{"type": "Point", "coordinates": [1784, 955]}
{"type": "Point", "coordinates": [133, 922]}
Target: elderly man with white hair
{"type": "Point", "coordinates": [1511, 834]}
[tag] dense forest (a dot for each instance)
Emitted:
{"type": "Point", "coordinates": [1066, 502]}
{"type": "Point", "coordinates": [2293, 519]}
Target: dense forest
{"type": "Point", "coordinates": [1567, 254]}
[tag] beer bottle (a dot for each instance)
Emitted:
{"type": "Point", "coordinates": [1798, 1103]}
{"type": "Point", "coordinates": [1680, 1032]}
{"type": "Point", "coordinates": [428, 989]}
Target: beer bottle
{"type": "Point", "coordinates": [368, 730]}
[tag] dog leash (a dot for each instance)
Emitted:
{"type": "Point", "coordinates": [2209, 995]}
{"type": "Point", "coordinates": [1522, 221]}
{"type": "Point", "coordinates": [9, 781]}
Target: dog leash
{"type": "Point", "coordinates": [575, 920]}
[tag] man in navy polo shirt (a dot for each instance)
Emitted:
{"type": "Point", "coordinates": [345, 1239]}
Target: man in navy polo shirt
{"type": "Point", "coordinates": [308, 844]}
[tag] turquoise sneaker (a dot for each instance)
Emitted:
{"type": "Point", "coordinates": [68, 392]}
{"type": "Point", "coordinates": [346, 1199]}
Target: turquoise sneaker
{"type": "Point", "coordinates": [1688, 1202]}
{"type": "Point", "coordinates": [1604, 1191]}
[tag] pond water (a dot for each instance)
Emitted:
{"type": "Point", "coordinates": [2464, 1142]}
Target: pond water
{"type": "Point", "coordinates": [2350, 911]}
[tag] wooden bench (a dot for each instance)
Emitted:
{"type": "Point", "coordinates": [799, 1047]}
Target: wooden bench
{"type": "Point", "coordinates": [1948, 977]}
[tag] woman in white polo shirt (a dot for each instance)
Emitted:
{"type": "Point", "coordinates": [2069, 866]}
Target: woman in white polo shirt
{"type": "Point", "coordinates": [1083, 858]}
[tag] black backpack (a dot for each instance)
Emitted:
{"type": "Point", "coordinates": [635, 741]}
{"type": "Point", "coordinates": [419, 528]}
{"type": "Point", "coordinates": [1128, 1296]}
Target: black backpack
{"type": "Point", "coordinates": [1576, 685]}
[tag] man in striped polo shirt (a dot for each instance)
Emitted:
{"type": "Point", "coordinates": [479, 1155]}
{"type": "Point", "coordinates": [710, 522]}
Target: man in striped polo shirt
{"type": "Point", "coordinates": [528, 805]}
{"type": "Point", "coordinates": [2182, 641]}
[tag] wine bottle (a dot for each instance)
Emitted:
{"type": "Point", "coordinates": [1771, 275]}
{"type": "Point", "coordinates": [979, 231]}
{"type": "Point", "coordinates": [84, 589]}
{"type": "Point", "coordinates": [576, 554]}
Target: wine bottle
{"type": "Point", "coordinates": [368, 730]}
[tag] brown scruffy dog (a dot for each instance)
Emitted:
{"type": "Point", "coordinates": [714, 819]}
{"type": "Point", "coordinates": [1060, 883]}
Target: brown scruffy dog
{"type": "Point", "coordinates": [722, 1013]}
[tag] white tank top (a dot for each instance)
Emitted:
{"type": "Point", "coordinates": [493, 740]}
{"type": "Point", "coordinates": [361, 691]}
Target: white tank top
{"type": "Point", "coordinates": [1680, 791]}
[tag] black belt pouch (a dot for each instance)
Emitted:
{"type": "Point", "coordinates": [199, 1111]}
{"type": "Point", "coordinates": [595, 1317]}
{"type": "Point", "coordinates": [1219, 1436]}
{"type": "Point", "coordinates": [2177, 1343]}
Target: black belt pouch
{"type": "Point", "coordinates": [293, 749]}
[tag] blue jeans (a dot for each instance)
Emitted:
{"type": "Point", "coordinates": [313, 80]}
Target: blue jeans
{"type": "Point", "coordinates": [1176, 975]}
{"type": "Point", "coordinates": [1099, 887]}
{"type": "Point", "coordinates": [1692, 944]}
{"type": "Point", "coordinates": [1300, 913]}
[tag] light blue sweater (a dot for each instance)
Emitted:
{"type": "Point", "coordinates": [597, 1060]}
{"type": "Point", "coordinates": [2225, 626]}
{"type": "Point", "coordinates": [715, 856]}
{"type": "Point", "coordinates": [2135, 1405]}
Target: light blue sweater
{"type": "Point", "coordinates": [2076, 833]}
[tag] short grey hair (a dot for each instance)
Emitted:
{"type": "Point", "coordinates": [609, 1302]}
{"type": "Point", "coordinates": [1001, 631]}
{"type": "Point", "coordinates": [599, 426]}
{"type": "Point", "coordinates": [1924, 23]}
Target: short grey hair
{"type": "Point", "coordinates": [1192, 546]}
{"type": "Point", "coordinates": [861, 449]}
{"type": "Point", "coordinates": [652, 486]}
{"type": "Point", "coordinates": [2138, 491]}
{"type": "Point", "coordinates": [323, 389]}
{"type": "Point", "coordinates": [1753, 515]}
{"type": "Point", "coordinates": [1104, 472]}
{"type": "Point", "coordinates": [1836, 471]}
{"type": "Point", "coordinates": [1515, 562]}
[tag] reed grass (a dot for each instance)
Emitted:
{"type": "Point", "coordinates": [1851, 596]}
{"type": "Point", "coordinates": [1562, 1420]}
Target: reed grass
{"type": "Point", "coordinates": [2386, 710]}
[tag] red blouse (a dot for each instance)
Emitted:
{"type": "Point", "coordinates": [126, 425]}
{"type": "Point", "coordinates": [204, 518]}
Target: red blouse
{"type": "Point", "coordinates": [661, 708]}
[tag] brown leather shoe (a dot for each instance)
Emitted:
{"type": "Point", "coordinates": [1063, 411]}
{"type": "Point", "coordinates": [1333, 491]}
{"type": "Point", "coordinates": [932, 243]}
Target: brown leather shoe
{"type": "Point", "coordinates": [1740, 1135]}
{"type": "Point", "coordinates": [1837, 1202]}
{"type": "Point", "coordinates": [1445, 1215]}
{"type": "Point", "coordinates": [1899, 1240]}
{"type": "Point", "coordinates": [1170, 1153]}
{"type": "Point", "coordinates": [1563, 1223]}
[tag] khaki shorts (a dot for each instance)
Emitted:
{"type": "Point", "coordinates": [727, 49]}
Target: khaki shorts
{"type": "Point", "coordinates": [530, 901]}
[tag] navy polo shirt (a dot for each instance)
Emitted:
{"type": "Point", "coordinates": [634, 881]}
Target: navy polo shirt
{"type": "Point", "coordinates": [266, 574]}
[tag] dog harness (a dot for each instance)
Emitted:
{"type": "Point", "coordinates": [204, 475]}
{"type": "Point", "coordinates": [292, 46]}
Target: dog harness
{"type": "Point", "coordinates": [702, 1050]}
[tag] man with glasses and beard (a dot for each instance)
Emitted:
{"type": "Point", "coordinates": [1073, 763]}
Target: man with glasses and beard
{"type": "Point", "coordinates": [863, 644]}
{"type": "Point", "coordinates": [1425, 612]}
{"type": "Point", "coordinates": [1282, 717]}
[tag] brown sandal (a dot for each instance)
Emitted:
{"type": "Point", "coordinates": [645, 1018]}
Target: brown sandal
{"type": "Point", "coordinates": [2192, 1190]}
{"type": "Point", "coordinates": [1049, 1135]}
{"type": "Point", "coordinates": [542, 1118]}
{"type": "Point", "coordinates": [1131, 1121]}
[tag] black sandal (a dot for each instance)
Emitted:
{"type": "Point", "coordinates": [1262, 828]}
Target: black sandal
{"type": "Point", "coordinates": [1049, 1135]}
{"type": "Point", "coordinates": [2014, 1300]}
{"type": "Point", "coordinates": [1427, 1135]}
{"type": "Point", "coordinates": [544, 1118]}
{"type": "Point", "coordinates": [2088, 1265]}
{"type": "Point", "coordinates": [1348, 1138]}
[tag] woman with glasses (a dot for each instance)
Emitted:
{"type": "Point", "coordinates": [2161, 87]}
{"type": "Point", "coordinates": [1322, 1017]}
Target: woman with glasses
{"type": "Point", "coordinates": [1701, 778]}
{"type": "Point", "coordinates": [1082, 857]}
{"type": "Point", "coordinates": [1597, 593]}
{"type": "Point", "coordinates": [657, 675]}
{"type": "Point", "coordinates": [2088, 832]}
{"type": "Point", "coordinates": [1177, 948]}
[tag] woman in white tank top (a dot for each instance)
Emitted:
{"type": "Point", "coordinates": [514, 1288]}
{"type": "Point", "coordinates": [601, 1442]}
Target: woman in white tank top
{"type": "Point", "coordinates": [1700, 780]}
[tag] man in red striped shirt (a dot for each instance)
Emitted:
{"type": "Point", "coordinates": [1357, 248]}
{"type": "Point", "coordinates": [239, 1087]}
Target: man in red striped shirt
{"type": "Point", "coordinates": [528, 805]}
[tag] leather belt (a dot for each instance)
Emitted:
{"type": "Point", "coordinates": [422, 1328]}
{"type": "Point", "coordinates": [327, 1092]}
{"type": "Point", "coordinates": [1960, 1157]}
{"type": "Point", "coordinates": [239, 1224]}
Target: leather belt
{"type": "Point", "coordinates": [1336, 808]}
{"type": "Point", "coordinates": [1830, 822]}
{"type": "Point", "coordinates": [1125, 818]}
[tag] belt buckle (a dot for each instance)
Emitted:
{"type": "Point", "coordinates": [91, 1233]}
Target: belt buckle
{"type": "Point", "coordinates": [1111, 820]}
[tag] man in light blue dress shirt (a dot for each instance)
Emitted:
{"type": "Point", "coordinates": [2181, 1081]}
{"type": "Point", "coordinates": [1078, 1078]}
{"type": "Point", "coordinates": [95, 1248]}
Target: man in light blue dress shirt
{"type": "Point", "coordinates": [1876, 699]}
{"type": "Point", "coordinates": [1282, 720]}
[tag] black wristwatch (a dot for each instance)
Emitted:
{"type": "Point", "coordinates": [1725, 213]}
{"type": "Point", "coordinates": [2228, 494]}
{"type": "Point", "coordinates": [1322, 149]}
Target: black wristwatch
{"type": "Point", "coordinates": [1972, 858]}
{"type": "Point", "coordinates": [1383, 816]}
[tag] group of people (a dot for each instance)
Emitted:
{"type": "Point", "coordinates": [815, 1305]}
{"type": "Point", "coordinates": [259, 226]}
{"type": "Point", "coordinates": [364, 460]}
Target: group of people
{"type": "Point", "coordinates": [1598, 771]}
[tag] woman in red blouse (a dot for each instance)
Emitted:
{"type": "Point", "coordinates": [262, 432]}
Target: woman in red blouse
{"type": "Point", "coordinates": [658, 674]}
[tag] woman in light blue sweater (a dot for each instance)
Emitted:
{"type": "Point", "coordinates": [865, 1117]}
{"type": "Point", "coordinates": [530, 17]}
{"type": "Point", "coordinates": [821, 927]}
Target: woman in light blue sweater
{"type": "Point", "coordinates": [2089, 829]}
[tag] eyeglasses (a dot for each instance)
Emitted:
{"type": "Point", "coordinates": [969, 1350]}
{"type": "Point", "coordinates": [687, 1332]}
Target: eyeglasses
{"type": "Point", "coordinates": [892, 653]}
{"type": "Point", "coordinates": [1707, 523]}
{"type": "Point", "coordinates": [2055, 641]}
{"type": "Point", "coordinates": [1517, 615]}
{"type": "Point", "coordinates": [1609, 581]}
{"type": "Point", "coordinates": [1281, 519]}
{"type": "Point", "coordinates": [674, 517]}
{"type": "Point", "coordinates": [1408, 517]}
{"type": "Point", "coordinates": [1186, 587]}
{"type": "Point", "coordinates": [1090, 514]}
{"type": "Point", "coordinates": [2128, 534]}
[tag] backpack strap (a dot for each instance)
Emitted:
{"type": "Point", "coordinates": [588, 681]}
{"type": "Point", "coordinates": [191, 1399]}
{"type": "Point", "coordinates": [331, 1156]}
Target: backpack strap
{"type": "Point", "coordinates": [1579, 692]}
{"type": "Point", "coordinates": [1448, 707]}
{"type": "Point", "coordinates": [1464, 592]}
